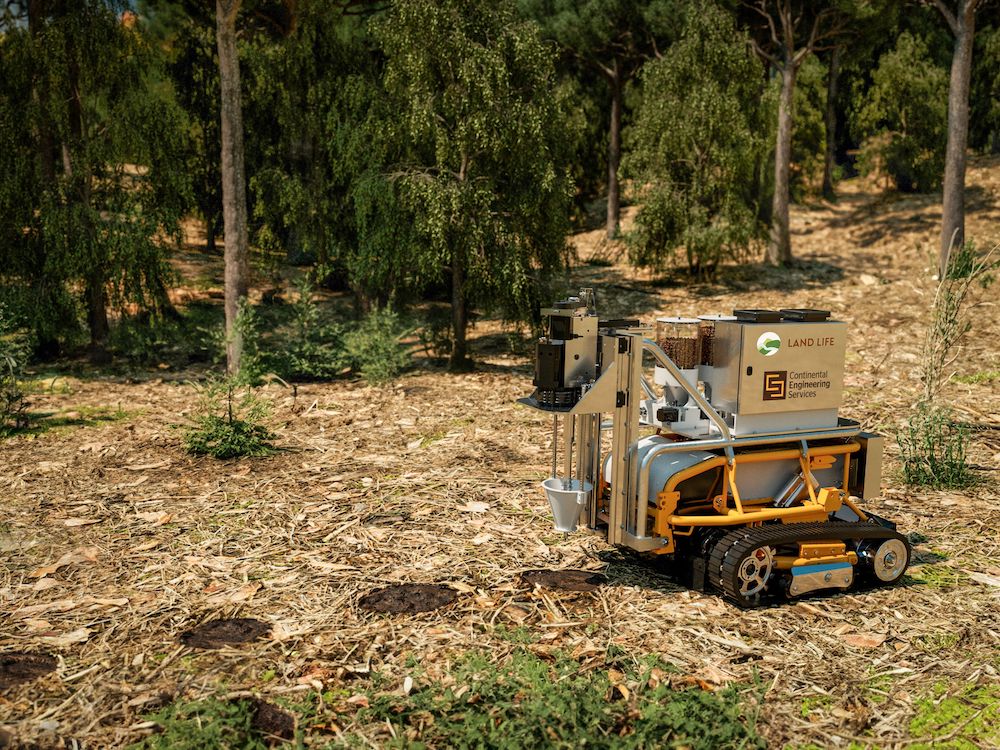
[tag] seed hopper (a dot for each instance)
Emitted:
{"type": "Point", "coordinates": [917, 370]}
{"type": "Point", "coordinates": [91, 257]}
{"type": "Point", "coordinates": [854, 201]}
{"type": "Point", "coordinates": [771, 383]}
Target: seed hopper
{"type": "Point", "coordinates": [733, 462]}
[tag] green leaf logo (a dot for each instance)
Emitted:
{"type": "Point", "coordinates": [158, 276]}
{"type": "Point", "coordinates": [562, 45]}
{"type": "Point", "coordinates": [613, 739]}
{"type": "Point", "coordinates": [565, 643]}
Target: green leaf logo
{"type": "Point", "coordinates": [769, 343]}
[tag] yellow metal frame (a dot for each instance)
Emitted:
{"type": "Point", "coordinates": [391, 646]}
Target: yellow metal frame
{"type": "Point", "coordinates": [816, 507]}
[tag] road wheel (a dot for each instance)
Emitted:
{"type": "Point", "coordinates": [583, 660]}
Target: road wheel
{"type": "Point", "coordinates": [884, 560]}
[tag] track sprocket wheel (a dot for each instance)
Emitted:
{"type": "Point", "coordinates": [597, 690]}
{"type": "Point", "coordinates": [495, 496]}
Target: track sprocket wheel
{"type": "Point", "coordinates": [741, 568]}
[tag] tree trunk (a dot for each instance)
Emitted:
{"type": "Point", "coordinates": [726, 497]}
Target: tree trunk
{"type": "Point", "coordinates": [97, 313]}
{"type": "Point", "coordinates": [953, 209]}
{"type": "Point", "coordinates": [830, 120]}
{"type": "Point", "coordinates": [78, 173]}
{"type": "Point", "coordinates": [459, 360]}
{"type": "Point", "coordinates": [46, 344]}
{"type": "Point", "coordinates": [234, 199]}
{"type": "Point", "coordinates": [210, 235]}
{"type": "Point", "coordinates": [614, 151]}
{"type": "Point", "coordinates": [779, 250]}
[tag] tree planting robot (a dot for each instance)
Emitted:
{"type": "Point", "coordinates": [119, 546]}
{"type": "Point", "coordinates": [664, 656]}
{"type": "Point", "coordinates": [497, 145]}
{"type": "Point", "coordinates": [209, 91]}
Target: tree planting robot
{"type": "Point", "coordinates": [734, 462]}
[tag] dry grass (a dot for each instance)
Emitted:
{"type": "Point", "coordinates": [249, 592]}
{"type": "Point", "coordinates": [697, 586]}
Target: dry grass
{"type": "Point", "coordinates": [434, 479]}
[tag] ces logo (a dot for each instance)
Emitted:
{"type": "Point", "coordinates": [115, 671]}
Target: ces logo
{"type": "Point", "coordinates": [775, 385]}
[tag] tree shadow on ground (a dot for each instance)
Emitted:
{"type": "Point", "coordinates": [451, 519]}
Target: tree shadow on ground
{"type": "Point", "coordinates": [903, 213]}
{"type": "Point", "coordinates": [618, 295]}
{"type": "Point", "coordinates": [755, 277]}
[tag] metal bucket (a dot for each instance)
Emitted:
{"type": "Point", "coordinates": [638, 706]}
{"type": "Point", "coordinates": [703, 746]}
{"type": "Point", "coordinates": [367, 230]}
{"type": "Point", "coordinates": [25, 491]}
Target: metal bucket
{"type": "Point", "coordinates": [566, 500]}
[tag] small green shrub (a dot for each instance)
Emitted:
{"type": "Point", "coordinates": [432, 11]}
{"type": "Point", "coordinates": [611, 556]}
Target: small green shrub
{"type": "Point", "coordinates": [230, 425]}
{"type": "Point", "coordinates": [13, 355]}
{"type": "Point", "coordinates": [933, 449]}
{"type": "Point", "coordinates": [141, 339]}
{"type": "Point", "coordinates": [373, 348]}
{"type": "Point", "coordinates": [436, 334]}
{"type": "Point", "coordinates": [149, 339]}
{"type": "Point", "coordinates": [313, 346]}
{"type": "Point", "coordinates": [253, 362]}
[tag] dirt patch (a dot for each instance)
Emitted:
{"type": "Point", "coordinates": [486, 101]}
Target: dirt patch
{"type": "Point", "coordinates": [408, 598]}
{"type": "Point", "coordinates": [220, 633]}
{"type": "Point", "coordinates": [565, 580]}
{"type": "Point", "coordinates": [273, 721]}
{"type": "Point", "coordinates": [19, 667]}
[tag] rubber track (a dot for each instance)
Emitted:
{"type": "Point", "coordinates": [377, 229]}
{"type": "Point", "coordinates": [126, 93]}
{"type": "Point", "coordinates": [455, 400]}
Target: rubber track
{"type": "Point", "coordinates": [730, 550]}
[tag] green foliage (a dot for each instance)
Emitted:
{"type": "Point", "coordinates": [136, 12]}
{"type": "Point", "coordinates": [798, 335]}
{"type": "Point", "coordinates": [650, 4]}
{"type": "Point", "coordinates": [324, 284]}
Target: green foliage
{"type": "Point", "coordinates": [903, 117]}
{"type": "Point", "coordinates": [307, 99]}
{"type": "Point", "coordinates": [13, 355]}
{"type": "Point", "coordinates": [968, 272]}
{"type": "Point", "coordinates": [522, 701]}
{"type": "Point", "coordinates": [592, 37]}
{"type": "Point", "coordinates": [87, 227]}
{"type": "Point", "coordinates": [435, 332]}
{"type": "Point", "coordinates": [984, 98]}
{"type": "Point", "coordinates": [525, 701]}
{"type": "Point", "coordinates": [190, 335]}
{"type": "Point", "coordinates": [809, 137]}
{"type": "Point", "coordinates": [194, 71]}
{"type": "Point", "coordinates": [230, 423]}
{"type": "Point", "coordinates": [143, 339]}
{"type": "Point", "coordinates": [933, 450]}
{"type": "Point", "coordinates": [313, 346]}
{"type": "Point", "coordinates": [209, 724]}
{"type": "Point", "coordinates": [483, 173]}
{"type": "Point", "coordinates": [984, 377]}
{"type": "Point", "coordinates": [372, 349]}
{"type": "Point", "coordinates": [696, 145]}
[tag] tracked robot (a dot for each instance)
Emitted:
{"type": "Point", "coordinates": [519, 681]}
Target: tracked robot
{"type": "Point", "coordinates": [733, 463]}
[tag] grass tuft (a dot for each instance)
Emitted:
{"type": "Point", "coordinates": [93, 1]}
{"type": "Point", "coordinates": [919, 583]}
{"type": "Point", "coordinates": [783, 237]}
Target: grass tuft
{"type": "Point", "coordinates": [967, 720]}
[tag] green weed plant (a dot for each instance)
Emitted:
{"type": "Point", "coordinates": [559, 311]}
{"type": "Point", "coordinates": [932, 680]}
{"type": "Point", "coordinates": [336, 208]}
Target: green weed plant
{"type": "Point", "coordinates": [522, 701]}
{"type": "Point", "coordinates": [933, 450]}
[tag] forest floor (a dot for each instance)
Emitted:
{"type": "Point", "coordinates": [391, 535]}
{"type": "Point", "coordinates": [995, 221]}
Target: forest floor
{"type": "Point", "coordinates": [115, 542]}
